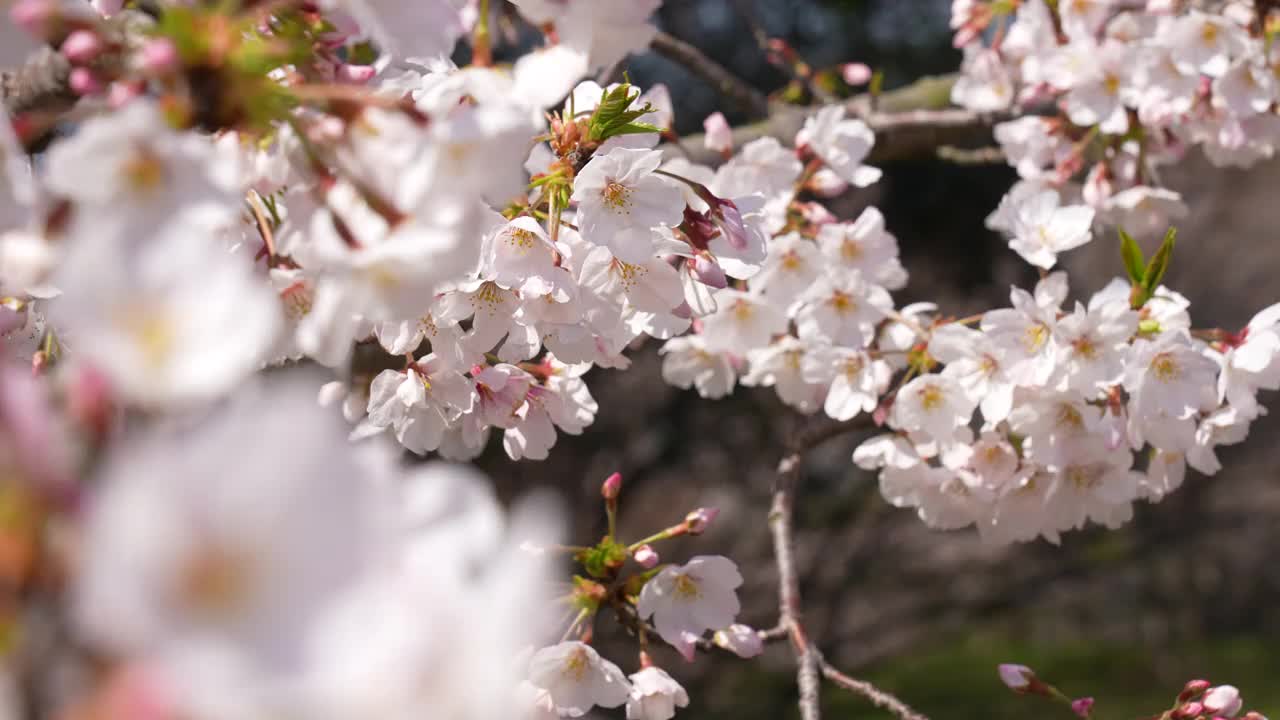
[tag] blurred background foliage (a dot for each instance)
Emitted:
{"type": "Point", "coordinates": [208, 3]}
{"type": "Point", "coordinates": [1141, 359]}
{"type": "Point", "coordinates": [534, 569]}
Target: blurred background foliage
{"type": "Point", "coordinates": [1187, 590]}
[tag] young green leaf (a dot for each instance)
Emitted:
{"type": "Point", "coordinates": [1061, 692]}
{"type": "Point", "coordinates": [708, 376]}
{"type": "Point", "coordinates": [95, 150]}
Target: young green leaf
{"type": "Point", "coordinates": [1159, 263]}
{"type": "Point", "coordinates": [1132, 256]}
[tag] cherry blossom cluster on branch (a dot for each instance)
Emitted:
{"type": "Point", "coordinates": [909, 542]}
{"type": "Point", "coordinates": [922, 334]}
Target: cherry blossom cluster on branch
{"type": "Point", "coordinates": [247, 187]}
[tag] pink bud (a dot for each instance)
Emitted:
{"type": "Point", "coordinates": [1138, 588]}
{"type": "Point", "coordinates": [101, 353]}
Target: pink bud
{"type": "Point", "coordinates": [1193, 689]}
{"type": "Point", "coordinates": [355, 74]}
{"type": "Point", "coordinates": [612, 486]}
{"type": "Point", "coordinates": [120, 93]}
{"type": "Point", "coordinates": [719, 135]}
{"type": "Point", "coordinates": [83, 81]}
{"type": "Point", "coordinates": [82, 46]}
{"type": "Point", "coordinates": [159, 56]}
{"type": "Point", "coordinates": [709, 272]}
{"type": "Point", "coordinates": [1223, 700]}
{"type": "Point", "coordinates": [1254, 715]}
{"type": "Point", "coordinates": [699, 520]}
{"type": "Point", "coordinates": [1082, 706]}
{"type": "Point", "coordinates": [1016, 677]}
{"type": "Point", "coordinates": [856, 73]}
{"type": "Point", "coordinates": [1189, 710]}
{"type": "Point", "coordinates": [728, 219]}
{"type": "Point", "coordinates": [34, 16]}
{"type": "Point", "coordinates": [646, 556]}
{"type": "Point", "coordinates": [740, 640]}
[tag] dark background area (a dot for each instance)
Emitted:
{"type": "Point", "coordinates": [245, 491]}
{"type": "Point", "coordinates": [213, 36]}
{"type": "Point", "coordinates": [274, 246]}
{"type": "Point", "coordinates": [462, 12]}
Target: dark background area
{"type": "Point", "coordinates": [1187, 590]}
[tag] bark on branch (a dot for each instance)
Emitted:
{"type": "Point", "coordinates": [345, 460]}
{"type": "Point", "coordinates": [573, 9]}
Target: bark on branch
{"type": "Point", "coordinates": [909, 122]}
{"type": "Point", "coordinates": [734, 89]}
{"type": "Point", "coordinates": [810, 665]}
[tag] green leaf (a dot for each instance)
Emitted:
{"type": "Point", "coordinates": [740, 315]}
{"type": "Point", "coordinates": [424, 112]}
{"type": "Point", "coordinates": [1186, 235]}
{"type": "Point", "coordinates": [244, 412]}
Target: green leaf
{"type": "Point", "coordinates": [1132, 256]}
{"type": "Point", "coordinates": [614, 115]}
{"type": "Point", "coordinates": [602, 560]}
{"type": "Point", "coordinates": [1159, 263]}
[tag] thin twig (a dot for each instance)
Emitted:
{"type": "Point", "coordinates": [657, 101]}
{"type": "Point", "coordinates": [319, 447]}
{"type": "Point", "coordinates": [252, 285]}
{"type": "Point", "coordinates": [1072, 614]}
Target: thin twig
{"type": "Point", "coordinates": [780, 516]}
{"type": "Point", "coordinates": [809, 661]}
{"type": "Point", "coordinates": [747, 11]}
{"type": "Point", "coordinates": [695, 61]}
{"type": "Point", "coordinates": [878, 697]}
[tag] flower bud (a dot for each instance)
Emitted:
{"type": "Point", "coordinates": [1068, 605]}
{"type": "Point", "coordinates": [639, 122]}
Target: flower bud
{"type": "Point", "coordinates": [856, 73]}
{"type": "Point", "coordinates": [646, 556]}
{"type": "Point", "coordinates": [120, 93]}
{"type": "Point", "coordinates": [612, 486]}
{"type": "Point", "coordinates": [34, 16]}
{"type": "Point", "coordinates": [1189, 710]}
{"type": "Point", "coordinates": [1193, 689]}
{"type": "Point", "coordinates": [82, 46]}
{"type": "Point", "coordinates": [1223, 701]}
{"type": "Point", "coordinates": [159, 56]}
{"type": "Point", "coordinates": [355, 74]}
{"type": "Point", "coordinates": [83, 81]}
{"type": "Point", "coordinates": [740, 640]}
{"type": "Point", "coordinates": [699, 520]}
{"type": "Point", "coordinates": [1016, 677]}
{"type": "Point", "coordinates": [1253, 715]}
{"type": "Point", "coordinates": [709, 272]}
{"type": "Point", "coordinates": [719, 136]}
{"type": "Point", "coordinates": [1082, 706]}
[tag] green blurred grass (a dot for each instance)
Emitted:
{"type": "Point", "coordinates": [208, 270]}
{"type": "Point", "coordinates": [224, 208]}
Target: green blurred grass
{"type": "Point", "coordinates": [957, 680]}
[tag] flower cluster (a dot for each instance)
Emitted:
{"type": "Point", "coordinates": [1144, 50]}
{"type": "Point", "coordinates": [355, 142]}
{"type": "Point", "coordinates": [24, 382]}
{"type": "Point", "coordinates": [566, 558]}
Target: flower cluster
{"type": "Point", "coordinates": [1022, 421]}
{"type": "Point", "coordinates": [680, 603]}
{"type": "Point", "coordinates": [1115, 90]}
{"type": "Point", "coordinates": [450, 250]}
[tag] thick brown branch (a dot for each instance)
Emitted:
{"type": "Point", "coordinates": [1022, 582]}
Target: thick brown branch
{"type": "Point", "coordinates": [734, 88]}
{"type": "Point", "coordinates": [909, 122]}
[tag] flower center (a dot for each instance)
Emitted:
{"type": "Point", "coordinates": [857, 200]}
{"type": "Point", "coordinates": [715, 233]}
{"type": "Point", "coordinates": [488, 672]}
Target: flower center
{"type": "Point", "coordinates": [1034, 338]}
{"type": "Point", "coordinates": [575, 666]}
{"type": "Point", "coordinates": [1068, 416]}
{"type": "Point", "coordinates": [1086, 348]}
{"type": "Point", "coordinates": [686, 588]}
{"type": "Point", "coordinates": [1165, 367]}
{"type": "Point", "coordinates": [144, 171]}
{"type": "Point", "coordinates": [843, 302]}
{"type": "Point", "coordinates": [215, 581]}
{"type": "Point", "coordinates": [521, 239]}
{"type": "Point", "coordinates": [617, 196]}
{"type": "Point", "coordinates": [851, 249]}
{"type": "Point", "coordinates": [931, 398]}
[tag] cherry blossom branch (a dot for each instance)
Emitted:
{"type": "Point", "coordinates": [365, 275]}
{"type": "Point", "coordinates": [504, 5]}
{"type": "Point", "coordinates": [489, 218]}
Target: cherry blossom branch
{"type": "Point", "coordinates": [713, 73]}
{"type": "Point", "coordinates": [747, 11]}
{"type": "Point", "coordinates": [810, 665]}
{"type": "Point", "coordinates": [41, 84]}
{"type": "Point", "coordinates": [909, 122]}
{"type": "Point", "coordinates": [878, 697]}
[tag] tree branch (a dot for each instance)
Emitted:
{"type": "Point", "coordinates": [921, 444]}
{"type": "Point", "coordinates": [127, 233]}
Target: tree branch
{"type": "Point", "coordinates": [878, 697]}
{"type": "Point", "coordinates": [716, 75]}
{"type": "Point", "coordinates": [41, 84]}
{"type": "Point", "coordinates": [909, 122]}
{"type": "Point", "coordinates": [746, 10]}
{"type": "Point", "coordinates": [809, 661]}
